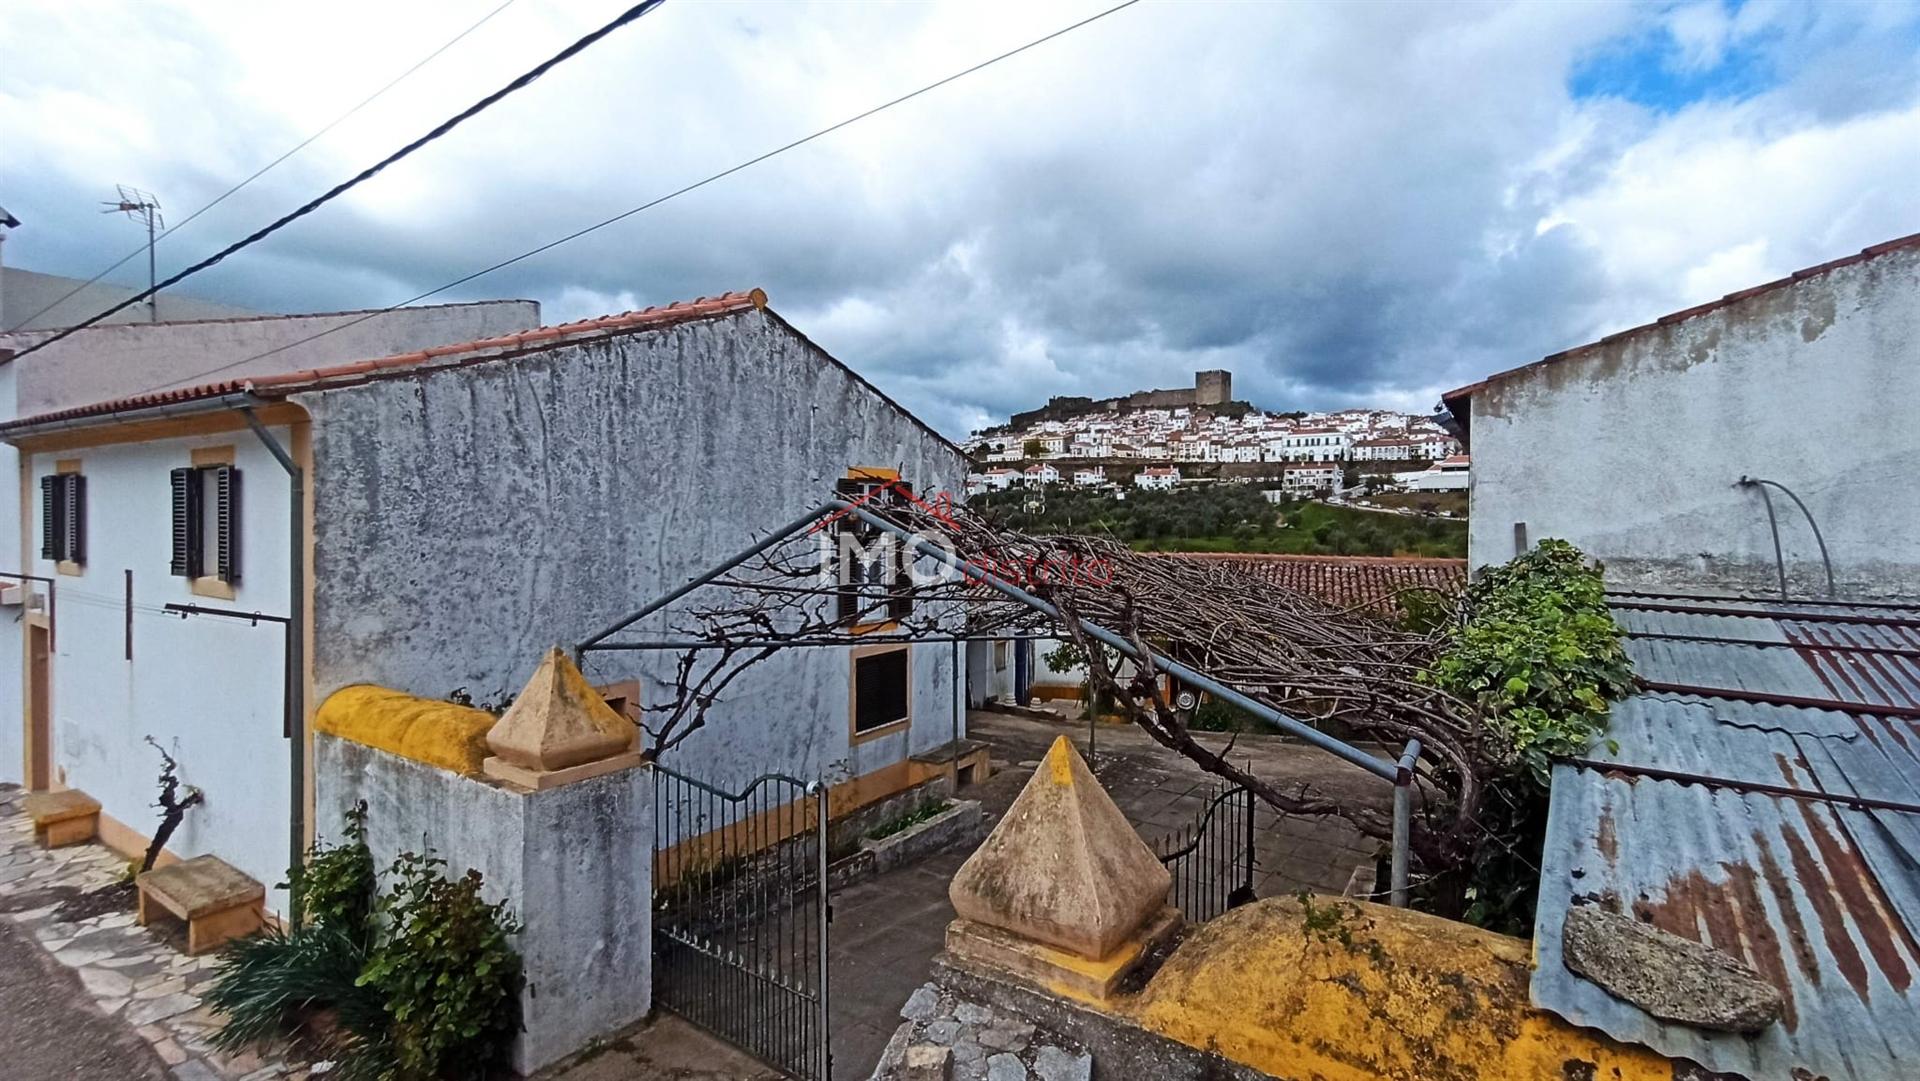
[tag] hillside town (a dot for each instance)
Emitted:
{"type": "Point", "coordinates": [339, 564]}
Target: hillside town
{"type": "Point", "coordinates": [495, 584]}
{"type": "Point", "coordinates": [1144, 439]}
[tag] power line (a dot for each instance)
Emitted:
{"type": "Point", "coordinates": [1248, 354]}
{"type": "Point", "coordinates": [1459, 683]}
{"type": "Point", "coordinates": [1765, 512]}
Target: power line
{"type": "Point", "coordinates": [651, 203]}
{"type": "Point", "coordinates": [268, 167]}
{"type": "Point", "coordinates": [440, 129]}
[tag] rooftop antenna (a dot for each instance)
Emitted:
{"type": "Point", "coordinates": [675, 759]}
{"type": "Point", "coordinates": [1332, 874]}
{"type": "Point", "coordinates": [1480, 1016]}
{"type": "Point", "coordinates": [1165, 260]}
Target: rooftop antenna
{"type": "Point", "coordinates": [135, 203]}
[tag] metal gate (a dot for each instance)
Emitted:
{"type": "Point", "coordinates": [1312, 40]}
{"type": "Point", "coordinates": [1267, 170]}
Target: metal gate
{"type": "Point", "coordinates": [740, 915]}
{"type": "Point", "coordinates": [1212, 860]}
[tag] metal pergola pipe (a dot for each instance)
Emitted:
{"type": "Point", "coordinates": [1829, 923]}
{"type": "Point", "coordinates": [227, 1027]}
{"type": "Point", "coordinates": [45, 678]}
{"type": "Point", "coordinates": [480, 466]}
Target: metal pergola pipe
{"type": "Point", "coordinates": [973, 571]}
{"type": "Point", "coordinates": [1386, 771]}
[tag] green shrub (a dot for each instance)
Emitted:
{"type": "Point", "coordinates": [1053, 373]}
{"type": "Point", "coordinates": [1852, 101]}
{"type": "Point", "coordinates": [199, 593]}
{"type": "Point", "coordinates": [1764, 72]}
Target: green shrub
{"type": "Point", "coordinates": [335, 888]}
{"type": "Point", "coordinates": [1536, 650]}
{"type": "Point", "coordinates": [421, 983]}
{"type": "Point", "coordinates": [446, 971]}
{"type": "Point", "coordinates": [271, 983]}
{"type": "Point", "coordinates": [1539, 653]}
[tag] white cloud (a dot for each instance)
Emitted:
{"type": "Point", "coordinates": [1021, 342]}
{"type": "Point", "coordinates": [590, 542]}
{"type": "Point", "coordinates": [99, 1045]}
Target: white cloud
{"type": "Point", "coordinates": [1342, 203]}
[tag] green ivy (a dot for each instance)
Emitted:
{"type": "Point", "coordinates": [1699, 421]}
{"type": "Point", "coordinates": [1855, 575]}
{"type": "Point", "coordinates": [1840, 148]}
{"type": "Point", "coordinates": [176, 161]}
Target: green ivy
{"type": "Point", "coordinates": [1539, 653]}
{"type": "Point", "coordinates": [335, 887]}
{"type": "Point", "coordinates": [447, 971]}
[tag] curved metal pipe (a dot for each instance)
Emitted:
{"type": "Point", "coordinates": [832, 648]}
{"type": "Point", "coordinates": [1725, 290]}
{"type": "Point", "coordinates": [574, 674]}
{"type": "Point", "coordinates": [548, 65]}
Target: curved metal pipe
{"type": "Point", "coordinates": [1773, 524]}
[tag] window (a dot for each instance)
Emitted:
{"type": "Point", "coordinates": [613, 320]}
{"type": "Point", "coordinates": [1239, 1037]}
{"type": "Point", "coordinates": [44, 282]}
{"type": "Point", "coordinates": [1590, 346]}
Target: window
{"type": "Point", "coordinates": [1000, 656]}
{"type": "Point", "coordinates": [874, 586]}
{"type": "Point", "coordinates": [880, 689]}
{"type": "Point", "coordinates": [63, 519]}
{"type": "Point", "coordinates": [206, 523]}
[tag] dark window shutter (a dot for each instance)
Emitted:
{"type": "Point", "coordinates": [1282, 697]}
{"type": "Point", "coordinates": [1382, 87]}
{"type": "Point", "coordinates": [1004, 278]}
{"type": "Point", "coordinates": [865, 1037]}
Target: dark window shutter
{"type": "Point", "coordinates": [49, 517]}
{"type": "Point", "coordinates": [226, 512]}
{"type": "Point", "coordinates": [186, 523]}
{"type": "Point", "coordinates": [74, 523]}
{"type": "Point", "coordinates": [900, 598]}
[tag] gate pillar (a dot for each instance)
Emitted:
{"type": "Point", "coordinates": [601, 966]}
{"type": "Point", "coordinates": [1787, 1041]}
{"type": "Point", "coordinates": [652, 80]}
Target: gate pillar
{"type": "Point", "coordinates": [570, 848]}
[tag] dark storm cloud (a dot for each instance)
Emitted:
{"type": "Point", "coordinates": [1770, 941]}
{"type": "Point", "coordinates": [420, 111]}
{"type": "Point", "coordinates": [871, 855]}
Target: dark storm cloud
{"type": "Point", "coordinates": [1341, 204]}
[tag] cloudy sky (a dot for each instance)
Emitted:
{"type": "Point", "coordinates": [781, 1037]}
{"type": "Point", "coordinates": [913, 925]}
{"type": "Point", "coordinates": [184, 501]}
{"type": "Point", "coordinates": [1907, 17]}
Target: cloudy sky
{"type": "Point", "coordinates": [1363, 203]}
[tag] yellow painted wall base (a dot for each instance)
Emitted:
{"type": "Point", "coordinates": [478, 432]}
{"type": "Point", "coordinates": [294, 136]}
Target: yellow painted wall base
{"type": "Point", "coordinates": [1345, 991]}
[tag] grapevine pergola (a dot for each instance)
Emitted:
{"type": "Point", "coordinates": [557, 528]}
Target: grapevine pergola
{"type": "Point", "coordinates": [887, 566]}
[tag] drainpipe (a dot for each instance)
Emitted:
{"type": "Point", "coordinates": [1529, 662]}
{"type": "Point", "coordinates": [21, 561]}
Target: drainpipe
{"type": "Point", "coordinates": [293, 724]}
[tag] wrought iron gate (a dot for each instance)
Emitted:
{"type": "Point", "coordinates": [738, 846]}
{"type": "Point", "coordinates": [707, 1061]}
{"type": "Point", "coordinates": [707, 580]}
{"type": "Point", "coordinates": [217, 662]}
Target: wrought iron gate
{"type": "Point", "coordinates": [740, 915]}
{"type": "Point", "coordinates": [1212, 860]}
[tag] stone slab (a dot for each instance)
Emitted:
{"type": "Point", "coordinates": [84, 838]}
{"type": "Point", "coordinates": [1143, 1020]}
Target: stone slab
{"type": "Point", "coordinates": [1672, 978]}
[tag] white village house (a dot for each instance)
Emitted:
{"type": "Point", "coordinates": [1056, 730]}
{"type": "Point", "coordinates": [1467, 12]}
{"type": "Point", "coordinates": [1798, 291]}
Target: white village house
{"type": "Point", "coordinates": [123, 358]}
{"type": "Point", "coordinates": [1157, 478]}
{"type": "Point", "coordinates": [461, 509]}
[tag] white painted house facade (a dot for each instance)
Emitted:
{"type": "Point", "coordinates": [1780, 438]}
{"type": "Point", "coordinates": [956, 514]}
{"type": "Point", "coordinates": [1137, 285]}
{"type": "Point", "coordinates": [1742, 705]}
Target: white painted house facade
{"type": "Point", "coordinates": [1634, 447]}
{"type": "Point", "coordinates": [115, 360]}
{"type": "Point", "coordinates": [464, 509]}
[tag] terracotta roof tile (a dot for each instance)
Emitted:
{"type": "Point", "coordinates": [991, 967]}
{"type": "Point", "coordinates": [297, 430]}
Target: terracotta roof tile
{"type": "Point", "coordinates": [1362, 582]}
{"type": "Point", "coordinates": [462, 353]}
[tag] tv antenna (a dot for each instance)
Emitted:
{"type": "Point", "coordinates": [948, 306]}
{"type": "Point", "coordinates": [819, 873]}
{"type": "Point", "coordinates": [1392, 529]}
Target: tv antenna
{"type": "Point", "coordinates": [143, 205]}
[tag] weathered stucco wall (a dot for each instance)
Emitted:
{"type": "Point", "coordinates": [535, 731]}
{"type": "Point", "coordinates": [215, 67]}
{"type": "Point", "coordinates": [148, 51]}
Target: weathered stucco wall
{"type": "Point", "coordinates": [1631, 449]}
{"type": "Point", "coordinates": [468, 519]}
{"type": "Point", "coordinates": [112, 361]}
{"type": "Point", "coordinates": [574, 863]}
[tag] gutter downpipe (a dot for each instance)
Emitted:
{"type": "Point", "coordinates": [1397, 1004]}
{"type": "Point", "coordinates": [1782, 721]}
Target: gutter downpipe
{"type": "Point", "coordinates": [293, 725]}
{"type": "Point", "coordinates": [920, 546]}
{"type": "Point", "coordinates": [1402, 822]}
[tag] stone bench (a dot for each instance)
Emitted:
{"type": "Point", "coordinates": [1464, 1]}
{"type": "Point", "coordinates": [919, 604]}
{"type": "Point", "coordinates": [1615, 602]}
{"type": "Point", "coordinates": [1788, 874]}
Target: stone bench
{"type": "Point", "coordinates": [217, 902]}
{"type": "Point", "coordinates": [966, 761]}
{"type": "Point", "coordinates": [63, 818]}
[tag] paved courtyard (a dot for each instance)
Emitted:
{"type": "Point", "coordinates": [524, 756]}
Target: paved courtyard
{"type": "Point", "coordinates": [886, 930]}
{"type": "Point", "coordinates": [90, 995]}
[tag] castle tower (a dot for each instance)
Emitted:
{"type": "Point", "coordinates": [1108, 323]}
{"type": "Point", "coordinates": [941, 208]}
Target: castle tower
{"type": "Point", "coordinates": [1213, 387]}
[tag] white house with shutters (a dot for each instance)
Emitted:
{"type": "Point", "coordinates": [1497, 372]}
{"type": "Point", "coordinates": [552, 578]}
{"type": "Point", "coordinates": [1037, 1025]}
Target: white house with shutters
{"type": "Point", "coordinates": [1157, 478]}
{"type": "Point", "coordinates": [230, 553]}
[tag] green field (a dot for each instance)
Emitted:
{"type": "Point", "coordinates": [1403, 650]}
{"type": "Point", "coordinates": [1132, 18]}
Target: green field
{"type": "Point", "coordinates": [1224, 518]}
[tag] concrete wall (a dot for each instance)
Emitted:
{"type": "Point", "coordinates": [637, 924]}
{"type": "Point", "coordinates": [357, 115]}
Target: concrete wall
{"type": "Point", "coordinates": [1631, 449]}
{"type": "Point", "coordinates": [23, 293]}
{"type": "Point", "coordinates": [466, 520]}
{"type": "Point", "coordinates": [106, 362]}
{"type": "Point", "coordinates": [208, 689]}
{"type": "Point", "coordinates": [984, 679]}
{"type": "Point", "coordinates": [574, 862]}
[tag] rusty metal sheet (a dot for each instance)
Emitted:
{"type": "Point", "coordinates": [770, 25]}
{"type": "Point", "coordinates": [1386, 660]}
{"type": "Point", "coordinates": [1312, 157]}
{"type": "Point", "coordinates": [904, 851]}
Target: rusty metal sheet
{"type": "Point", "coordinates": [1822, 899]}
{"type": "Point", "coordinates": [1781, 883]}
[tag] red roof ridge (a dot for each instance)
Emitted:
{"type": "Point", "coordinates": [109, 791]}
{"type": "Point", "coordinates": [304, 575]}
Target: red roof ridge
{"type": "Point", "coordinates": [283, 383]}
{"type": "Point", "coordinates": [1864, 254]}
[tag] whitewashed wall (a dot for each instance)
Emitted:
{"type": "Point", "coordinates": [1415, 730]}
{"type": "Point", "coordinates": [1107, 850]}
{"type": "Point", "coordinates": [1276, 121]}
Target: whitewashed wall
{"type": "Point", "coordinates": [210, 690]}
{"type": "Point", "coordinates": [469, 519]}
{"type": "Point", "coordinates": [12, 616]}
{"type": "Point", "coordinates": [1632, 449]}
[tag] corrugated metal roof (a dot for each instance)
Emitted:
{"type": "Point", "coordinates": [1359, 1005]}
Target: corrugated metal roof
{"type": "Point", "coordinates": [1821, 898]}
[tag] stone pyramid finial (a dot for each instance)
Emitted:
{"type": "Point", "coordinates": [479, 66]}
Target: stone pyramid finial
{"type": "Point", "coordinates": [1063, 868]}
{"type": "Point", "coordinates": [556, 723]}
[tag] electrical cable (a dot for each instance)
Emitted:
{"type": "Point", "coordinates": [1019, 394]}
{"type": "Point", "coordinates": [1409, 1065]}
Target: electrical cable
{"type": "Point", "coordinates": [651, 203]}
{"type": "Point", "coordinates": [268, 167]}
{"type": "Point", "coordinates": [337, 190]}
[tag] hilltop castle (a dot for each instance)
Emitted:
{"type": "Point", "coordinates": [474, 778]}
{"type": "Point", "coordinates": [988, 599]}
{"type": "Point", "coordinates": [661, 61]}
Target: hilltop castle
{"type": "Point", "coordinates": [1210, 388]}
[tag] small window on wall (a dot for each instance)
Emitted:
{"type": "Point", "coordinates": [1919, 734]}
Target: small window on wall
{"type": "Point", "coordinates": [875, 587]}
{"type": "Point", "coordinates": [1000, 656]}
{"type": "Point", "coordinates": [881, 698]}
{"type": "Point", "coordinates": [206, 523]}
{"type": "Point", "coordinates": [63, 519]}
